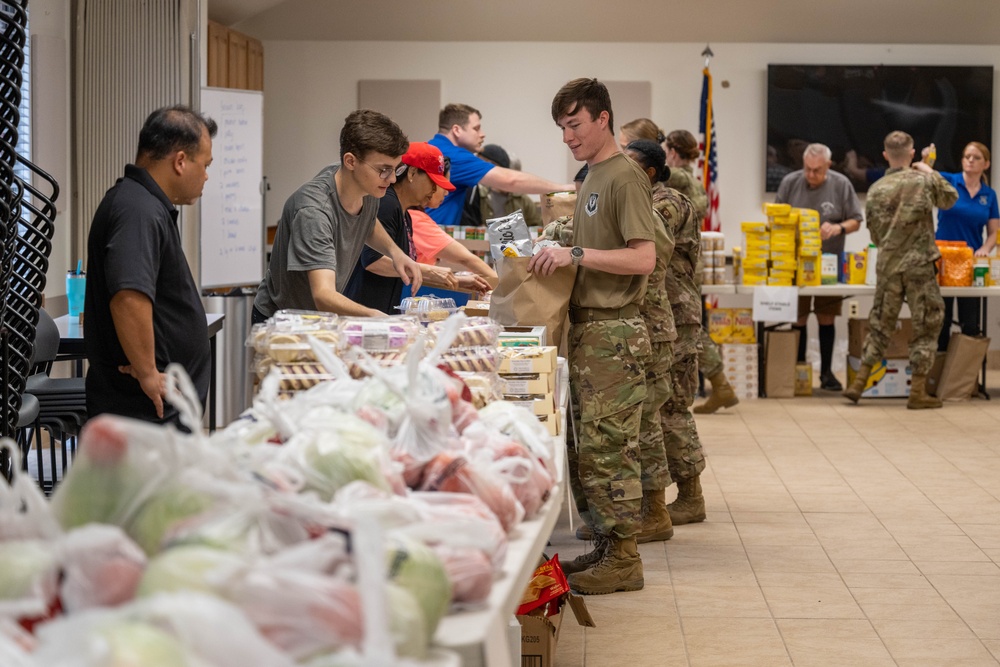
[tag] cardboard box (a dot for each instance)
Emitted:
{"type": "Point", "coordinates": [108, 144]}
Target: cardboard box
{"type": "Point", "coordinates": [540, 634]}
{"type": "Point", "coordinates": [899, 345]}
{"type": "Point", "coordinates": [527, 384]}
{"type": "Point", "coordinates": [552, 422]}
{"type": "Point", "coordinates": [781, 350]}
{"type": "Point", "coordinates": [803, 380]}
{"type": "Point", "coordinates": [720, 324]}
{"type": "Point", "coordinates": [744, 328]}
{"type": "Point", "coordinates": [889, 379]}
{"type": "Point", "coordinates": [524, 336]}
{"type": "Point", "coordinates": [542, 404]}
{"type": "Point", "coordinates": [477, 309]}
{"type": "Point", "coordinates": [528, 359]}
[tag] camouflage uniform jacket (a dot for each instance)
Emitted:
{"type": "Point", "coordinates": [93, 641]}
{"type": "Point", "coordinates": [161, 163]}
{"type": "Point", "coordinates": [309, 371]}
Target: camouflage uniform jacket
{"type": "Point", "coordinates": [683, 274]}
{"type": "Point", "coordinates": [559, 230]}
{"type": "Point", "coordinates": [682, 179]}
{"type": "Point", "coordinates": [655, 308]}
{"type": "Point", "coordinates": [899, 212]}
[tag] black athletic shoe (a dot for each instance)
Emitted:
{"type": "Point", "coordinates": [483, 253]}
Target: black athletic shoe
{"type": "Point", "coordinates": [830, 383]}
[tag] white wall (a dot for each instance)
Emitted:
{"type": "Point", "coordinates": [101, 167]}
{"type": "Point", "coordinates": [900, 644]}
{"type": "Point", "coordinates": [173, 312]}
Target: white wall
{"type": "Point", "coordinates": [49, 24]}
{"type": "Point", "coordinates": [311, 86]}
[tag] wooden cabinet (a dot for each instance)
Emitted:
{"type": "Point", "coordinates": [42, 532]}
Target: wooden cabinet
{"type": "Point", "coordinates": [235, 60]}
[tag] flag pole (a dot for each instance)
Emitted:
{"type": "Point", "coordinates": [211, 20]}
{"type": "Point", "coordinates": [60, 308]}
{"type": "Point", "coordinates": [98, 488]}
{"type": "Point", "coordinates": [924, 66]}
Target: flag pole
{"type": "Point", "coordinates": [707, 54]}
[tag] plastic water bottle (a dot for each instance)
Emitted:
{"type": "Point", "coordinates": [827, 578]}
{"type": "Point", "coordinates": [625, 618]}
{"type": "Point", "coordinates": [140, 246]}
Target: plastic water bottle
{"type": "Point", "coordinates": [931, 155]}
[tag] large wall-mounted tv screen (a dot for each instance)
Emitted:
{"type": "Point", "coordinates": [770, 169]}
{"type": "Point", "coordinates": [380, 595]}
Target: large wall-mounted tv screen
{"type": "Point", "coordinates": [851, 108]}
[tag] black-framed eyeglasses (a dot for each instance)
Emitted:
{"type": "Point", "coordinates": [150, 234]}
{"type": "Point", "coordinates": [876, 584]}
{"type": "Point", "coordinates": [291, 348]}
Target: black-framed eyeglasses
{"type": "Point", "coordinates": [385, 172]}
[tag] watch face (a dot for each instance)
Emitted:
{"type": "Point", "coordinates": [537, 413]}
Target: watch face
{"type": "Point", "coordinates": [577, 252]}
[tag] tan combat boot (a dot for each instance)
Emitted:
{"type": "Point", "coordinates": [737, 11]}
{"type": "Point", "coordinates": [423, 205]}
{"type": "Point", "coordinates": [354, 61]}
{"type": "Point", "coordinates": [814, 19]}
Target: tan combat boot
{"type": "Point", "coordinates": [619, 570]}
{"type": "Point", "coordinates": [584, 532]}
{"type": "Point", "coordinates": [919, 398]}
{"type": "Point", "coordinates": [589, 559]}
{"type": "Point", "coordinates": [689, 507]}
{"type": "Point", "coordinates": [857, 387]}
{"type": "Point", "coordinates": [656, 525]}
{"type": "Point", "coordinates": [722, 396]}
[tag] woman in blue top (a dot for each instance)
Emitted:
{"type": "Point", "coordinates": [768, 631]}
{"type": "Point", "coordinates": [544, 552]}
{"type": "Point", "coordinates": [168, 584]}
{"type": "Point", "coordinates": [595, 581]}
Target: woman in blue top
{"type": "Point", "coordinates": [975, 210]}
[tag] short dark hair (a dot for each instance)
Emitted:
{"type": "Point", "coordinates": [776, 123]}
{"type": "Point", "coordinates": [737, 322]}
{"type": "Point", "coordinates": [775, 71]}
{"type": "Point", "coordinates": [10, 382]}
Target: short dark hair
{"type": "Point", "coordinates": [456, 114]}
{"type": "Point", "coordinates": [171, 129]}
{"type": "Point", "coordinates": [367, 131]}
{"type": "Point", "coordinates": [589, 94]}
{"type": "Point", "coordinates": [650, 154]}
{"type": "Point", "coordinates": [898, 144]}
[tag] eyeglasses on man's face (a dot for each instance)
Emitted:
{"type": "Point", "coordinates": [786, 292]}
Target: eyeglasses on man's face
{"type": "Point", "coordinates": [385, 172]}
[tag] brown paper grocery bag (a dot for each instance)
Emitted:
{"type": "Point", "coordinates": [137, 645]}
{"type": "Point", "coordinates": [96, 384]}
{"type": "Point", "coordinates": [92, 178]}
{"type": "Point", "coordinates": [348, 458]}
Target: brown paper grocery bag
{"type": "Point", "coordinates": [522, 298]}
{"type": "Point", "coordinates": [960, 375]}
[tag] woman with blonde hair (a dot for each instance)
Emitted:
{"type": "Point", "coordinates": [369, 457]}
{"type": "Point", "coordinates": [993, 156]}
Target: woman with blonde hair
{"type": "Point", "coordinates": [974, 213]}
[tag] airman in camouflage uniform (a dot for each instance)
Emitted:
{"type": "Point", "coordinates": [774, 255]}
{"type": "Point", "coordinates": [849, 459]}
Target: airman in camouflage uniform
{"type": "Point", "coordinates": [614, 248]}
{"type": "Point", "coordinates": [685, 456]}
{"type": "Point", "coordinates": [709, 355]}
{"type": "Point", "coordinates": [899, 212]}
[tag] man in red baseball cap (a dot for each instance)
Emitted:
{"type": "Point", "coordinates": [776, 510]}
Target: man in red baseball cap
{"type": "Point", "coordinates": [373, 282]}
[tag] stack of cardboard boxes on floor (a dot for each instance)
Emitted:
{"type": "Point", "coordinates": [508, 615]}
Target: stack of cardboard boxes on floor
{"type": "Point", "coordinates": [733, 329]}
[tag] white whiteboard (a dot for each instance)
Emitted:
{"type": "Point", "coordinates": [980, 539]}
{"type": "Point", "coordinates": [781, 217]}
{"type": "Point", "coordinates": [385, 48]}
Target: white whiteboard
{"type": "Point", "coordinates": [232, 204]}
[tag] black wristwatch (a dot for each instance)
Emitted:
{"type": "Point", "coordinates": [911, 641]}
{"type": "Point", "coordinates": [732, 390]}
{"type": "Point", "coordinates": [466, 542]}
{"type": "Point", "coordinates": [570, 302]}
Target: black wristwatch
{"type": "Point", "coordinates": [576, 255]}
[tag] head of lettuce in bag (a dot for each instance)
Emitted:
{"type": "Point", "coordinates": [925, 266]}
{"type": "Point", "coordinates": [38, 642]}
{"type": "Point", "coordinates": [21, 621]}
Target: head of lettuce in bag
{"type": "Point", "coordinates": [509, 236]}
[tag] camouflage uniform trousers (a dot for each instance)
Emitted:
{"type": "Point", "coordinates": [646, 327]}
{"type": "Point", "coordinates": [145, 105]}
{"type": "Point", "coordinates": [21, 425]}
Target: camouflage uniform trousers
{"type": "Point", "coordinates": [608, 388]}
{"type": "Point", "coordinates": [685, 456]}
{"type": "Point", "coordinates": [709, 354]}
{"type": "Point", "coordinates": [918, 285]}
{"type": "Point", "coordinates": [659, 389]}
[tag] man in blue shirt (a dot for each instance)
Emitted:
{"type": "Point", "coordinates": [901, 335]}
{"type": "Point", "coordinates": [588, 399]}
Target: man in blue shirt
{"type": "Point", "coordinates": [459, 137]}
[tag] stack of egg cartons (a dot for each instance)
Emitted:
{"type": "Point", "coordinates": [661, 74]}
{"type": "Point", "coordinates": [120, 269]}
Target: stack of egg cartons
{"type": "Point", "coordinates": [739, 362]}
{"type": "Point", "coordinates": [784, 261]}
{"type": "Point", "coordinates": [810, 247]}
{"type": "Point", "coordinates": [713, 255]}
{"type": "Point", "coordinates": [528, 378]}
{"type": "Point", "coordinates": [756, 252]}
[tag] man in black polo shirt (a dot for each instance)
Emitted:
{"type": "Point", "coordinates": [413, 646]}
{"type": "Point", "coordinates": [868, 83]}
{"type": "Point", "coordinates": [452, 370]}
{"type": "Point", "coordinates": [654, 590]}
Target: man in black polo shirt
{"type": "Point", "coordinates": [143, 307]}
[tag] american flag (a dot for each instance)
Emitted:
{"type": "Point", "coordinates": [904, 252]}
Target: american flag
{"type": "Point", "coordinates": [709, 156]}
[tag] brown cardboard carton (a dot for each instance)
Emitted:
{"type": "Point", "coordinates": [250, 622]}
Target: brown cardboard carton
{"type": "Point", "coordinates": [540, 634]}
{"type": "Point", "coordinates": [515, 360]}
{"type": "Point", "coordinates": [779, 370]}
{"type": "Point", "coordinates": [935, 375]}
{"type": "Point", "coordinates": [899, 343]}
{"type": "Point", "coordinates": [803, 380]}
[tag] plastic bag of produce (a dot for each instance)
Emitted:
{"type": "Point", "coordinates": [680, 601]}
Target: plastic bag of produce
{"type": "Point", "coordinates": [13, 654]}
{"type": "Point", "coordinates": [451, 471]}
{"type": "Point", "coordinates": [101, 567]}
{"type": "Point", "coordinates": [29, 579]}
{"type": "Point", "coordinates": [459, 520]}
{"type": "Point", "coordinates": [121, 464]}
{"type": "Point", "coordinates": [469, 571]}
{"type": "Point", "coordinates": [193, 568]}
{"type": "Point", "coordinates": [24, 512]}
{"type": "Point", "coordinates": [417, 569]}
{"type": "Point", "coordinates": [184, 629]}
{"type": "Point", "coordinates": [527, 475]}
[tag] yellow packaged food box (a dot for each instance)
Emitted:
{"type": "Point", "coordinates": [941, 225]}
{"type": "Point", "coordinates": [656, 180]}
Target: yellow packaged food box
{"type": "Point", "coordinates": [780, 282]}
{"type": "Point", "coordinates": [808, 214]}
{"type": "Point", "coordinates": [779, 220]}
{"type": "Point", "coordinates": [784, 264]}
{"type": "Point", "coordinates": [777, 209]}
{"type": "Point", "coordinates": [808, 272]}
{"type": "Point", "coordinates": [810, 251]}
{"type": "Point", "coordinates": [749, 227]}
{"type": "Point", "coordinates": [754, 279]}
{"type": "Point", "coordinates": [744, 330]}
{"type": "Point", "coordinates": [856, 268]}
{"type": "Point", "coordinates": [720, 324]}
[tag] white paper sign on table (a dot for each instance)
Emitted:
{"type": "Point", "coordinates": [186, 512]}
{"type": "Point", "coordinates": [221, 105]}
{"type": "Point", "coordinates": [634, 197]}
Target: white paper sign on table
{"type": "Point", "coordinates": [775, 304]}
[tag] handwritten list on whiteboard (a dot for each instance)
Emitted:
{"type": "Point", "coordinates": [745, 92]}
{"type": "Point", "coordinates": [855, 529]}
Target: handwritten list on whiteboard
{"type": "Point", "coordinates": [232, 225]}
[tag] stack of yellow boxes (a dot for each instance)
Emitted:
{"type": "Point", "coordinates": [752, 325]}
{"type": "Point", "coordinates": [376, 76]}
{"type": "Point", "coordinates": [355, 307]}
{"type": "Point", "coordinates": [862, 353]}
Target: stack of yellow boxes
{"type": "Point", "coordinates": [733, 329]}
{"type": "Point", "coordinates": [528, 378]}
{"type": "Point", "coordinates": [810, 247]}
{"type": "Point", "coordinates": [784, 261]}
{"type": "Point", "coordinates": [756, 252]}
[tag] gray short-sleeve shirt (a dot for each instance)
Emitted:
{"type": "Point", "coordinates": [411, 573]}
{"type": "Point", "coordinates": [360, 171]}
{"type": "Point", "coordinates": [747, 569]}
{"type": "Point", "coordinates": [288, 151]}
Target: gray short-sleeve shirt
{"type": "Point", "coordinates": [315, 232]}
{"type": "Point", "coordinates": [835, 200]}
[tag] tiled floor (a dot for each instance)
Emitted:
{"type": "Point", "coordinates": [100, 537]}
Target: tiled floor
{"type": "Point", "coordinates": [837, 535]}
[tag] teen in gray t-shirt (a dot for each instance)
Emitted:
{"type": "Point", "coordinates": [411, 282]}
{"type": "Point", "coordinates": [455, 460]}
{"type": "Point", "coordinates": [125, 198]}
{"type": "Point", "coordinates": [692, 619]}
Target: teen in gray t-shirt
{"type": "Point", "coordinates": [315, 232]}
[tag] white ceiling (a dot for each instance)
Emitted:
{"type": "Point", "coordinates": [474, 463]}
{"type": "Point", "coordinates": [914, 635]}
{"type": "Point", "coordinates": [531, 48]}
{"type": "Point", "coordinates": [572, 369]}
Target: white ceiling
{"type": "Point", "coordinates": [778, 21]}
